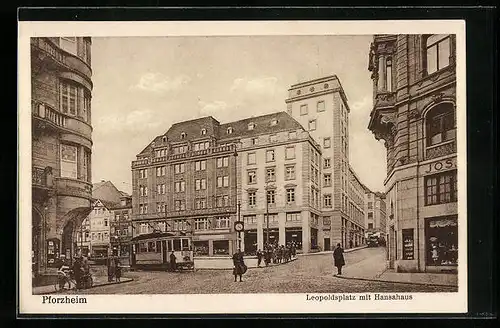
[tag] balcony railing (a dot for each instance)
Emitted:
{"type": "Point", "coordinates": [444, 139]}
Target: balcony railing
{"type": "Point", "coordinates": [50, 49]}
{"type": "Point", "coordinates": [440, 150]}
{"type": "Point", "coordinates": [48, 113]}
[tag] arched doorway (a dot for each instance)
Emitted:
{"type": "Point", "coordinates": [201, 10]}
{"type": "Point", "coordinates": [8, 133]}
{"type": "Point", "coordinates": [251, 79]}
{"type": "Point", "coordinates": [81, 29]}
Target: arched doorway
{"type": "Point", "coordinates": [73, 220]}
{"type": "Point", "coordinates": [67, 240]}
{"type": "Point", "coordinates": [36, 243]}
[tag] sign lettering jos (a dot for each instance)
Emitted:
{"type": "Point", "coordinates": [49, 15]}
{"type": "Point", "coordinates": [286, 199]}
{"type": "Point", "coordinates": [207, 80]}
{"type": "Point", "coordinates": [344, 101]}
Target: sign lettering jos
{"type": "Point", "coordinates": [441, 165]}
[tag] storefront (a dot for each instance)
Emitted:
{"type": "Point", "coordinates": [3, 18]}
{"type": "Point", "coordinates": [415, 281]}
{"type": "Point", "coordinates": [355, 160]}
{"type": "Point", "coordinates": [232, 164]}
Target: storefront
{"type": "Point", "coordinates": [201, 248]}
{"type": "Point", "coordinates": [99, 250]}
{"type": "Point", "coordinates": [294, 235]}
{"type": "Point", "coordinates": [250, 242]}
{"type": "Point", "coordinates": [221, 247]}
{"type": "Point", "coordinates": [314, 238]}
{"type": "Point", "coordinates": [441, 241]}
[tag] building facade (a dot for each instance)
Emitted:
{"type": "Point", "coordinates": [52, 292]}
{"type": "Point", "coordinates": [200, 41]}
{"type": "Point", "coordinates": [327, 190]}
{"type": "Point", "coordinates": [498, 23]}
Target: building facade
{"type": "Point", "coordinates": [279, 183]}
{"type": "Point", "coordinates": [321, 107]}
{"type": "Point", "coordinates": [354, 235]}
{"type": "Point", "coordinates": [121, 228]}
{"type": "Point", "coordinates": [414, 92]}
{"type": "Point", "coordinates": [61, 86]}
{"type": "Point", "coordinates": [375, 212]}
{"type": "Point", "coordinates": [185, 182]}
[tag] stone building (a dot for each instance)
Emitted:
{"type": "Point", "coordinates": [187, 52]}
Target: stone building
{"type": "Point", "coordinates": [414, 112]}
{"type": "Point", "coordinates": [375, 212]}
{"type": "Point", "coordinates": [355, 230]}
{"type": "Point", "coordinates": [121, 228]}
{"type": "Point", "coordinates": [61, 85]}
{"type": "Point", "coordinates": [321, 107]}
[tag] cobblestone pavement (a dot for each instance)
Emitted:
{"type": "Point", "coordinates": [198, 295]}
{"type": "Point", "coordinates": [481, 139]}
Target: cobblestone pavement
{"type": "Point", "coordinates": [308, 274]}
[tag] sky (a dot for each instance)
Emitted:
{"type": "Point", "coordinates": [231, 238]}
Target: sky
{"type": "Point", "coordinates": [144, 85]}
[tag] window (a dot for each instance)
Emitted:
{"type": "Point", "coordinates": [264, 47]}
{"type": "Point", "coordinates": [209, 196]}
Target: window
{"type": "Point", "coordinates": [327, 180]}
{"type": "Point", "coordinates": [143, 208]}
{"type": "Point", "coordinates": [441, 240]}
{"type": "Point", "coordinates": [327, 200]}
{"type": "Point", "coordinates": [200, 165]}
{"type": "Point", "coordinates": [201, 224]}
{"type": "Point", "coordinates": [180, 186]}
{"type": "Point", "coordinates": [273, 138]}
{"type": "Point", "coordinates": [251, 126]}
{"type": "Point", "coordinates": [180, 225]}
{"type": "Point", "coordinates": [270, 174]}
{"type": "Point", "coordinates": [327, 163]}
{"type": "Point", "coordinates": [290, 172]}
{"type": "Point", "coordinates": [441, 188]}
{"type": "Point", "coordinates": [320, 107]}
{"type": "Point", "coordinates": [179, 168]}
{"type": "Point", "coordinates": [68, 44]}
{"type": "Point", "coordinates": [438, 51]}
{"type": "Point", "coordinates": [290, 217]}
{"type": "Point", "coordinates": [68, 98]}
{"type": "Point", "coordinates": [203, 132]}
{"type": "Point", "coordinates": [370, 205]}
{"type": "Point", "coordinates": [250, 219]}
{"type": "Point", "coordinates": [85, 110]}
{"type": "Point", "coordinates": [440, 124]}
{"type": "Point", "coordinates": [222, 222]}
{"type": "Point", "coordinates": [370, 225]}
{"type": "Point", "coordinates": [290, 195]}
{"type": "Point", "coordinates": [143, 191]}
{"type": "Point", "coordinates": [224, 162]}
{"type": "Point", "coordinates": [252, 177]}
{"type": "Point", "coordinates": [179, 205]}
{"type": "Point", "coordinates": [229, 130]}
{"type": "Point", "coordinates": [223, 181]}
{"type": "Point", "coordinates": [251, 158]}
{"type": "Point", "coordinates": [200, 184]}
{"type": "Point", "coordinates": [303, 109]}
{"type": "Point", "coordinates": [254, 141]}
{"type": "Point", "coordinates": [292, 135]}
{"type": "Point", "coordinates": [183, 135]}
{"type": "Point", "coordinates": [274, 122]}
{"type": "Point", "coordinates": [290, 152]}
{"type": "Point", "coordinates": [200, 203]}
{"type": "Point", "coordinates": [270, 155]}
{"type": "Point", "coordinates": [370, 216]}
{"type": "Point", "coordinates": [160, 189]}
{"type": "Point", "coordinates": [68, 161]}
{"type": "Point", "coordinates": [252, 198]}
{"type": "Point", "coordinates": [271, 195]}
{"type": "Point", "coordinates": [105, 223]}
{"type": "Point", "coordinates": [143, 174]}
{"type": "Point", "coordinates": [388, 72]}
{"type": "Point", "coordinates": [326, 142]}
{"type": "Point", "coordinates": [201, 146]}
{"type": "Point", "coordinates": [312, 125]}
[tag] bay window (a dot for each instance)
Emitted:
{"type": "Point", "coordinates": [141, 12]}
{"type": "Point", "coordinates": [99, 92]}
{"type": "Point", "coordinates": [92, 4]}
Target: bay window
{"type": "Point", "coordinates": [69, 161]}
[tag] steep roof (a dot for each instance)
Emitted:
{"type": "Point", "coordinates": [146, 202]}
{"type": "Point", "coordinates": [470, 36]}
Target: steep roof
{"type": "Point", "coordinates": [106, 190]}
{"type": "Point", "coordinates": [262, 125]}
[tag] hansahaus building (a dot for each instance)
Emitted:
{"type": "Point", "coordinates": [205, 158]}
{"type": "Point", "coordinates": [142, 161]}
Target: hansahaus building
{"type": "Point", "coordinates": [414, 112]}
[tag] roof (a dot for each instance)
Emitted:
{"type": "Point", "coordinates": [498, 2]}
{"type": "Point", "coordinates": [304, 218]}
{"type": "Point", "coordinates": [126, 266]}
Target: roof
{"type": "Point", "coordinates": [263, 125]}
{"type": "Point", "coordinates": [124, 194]}
{"type": "Point", "coordinates": [152, 235]}
{"type": "Point", "coordinates": [106, 190]}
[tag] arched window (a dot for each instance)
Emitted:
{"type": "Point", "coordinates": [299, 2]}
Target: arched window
{"type": "Point", "coordinates": [440, 124]}
{"type": "Point", "coordinates": [183, 135]}
{"type": "Point", "coordinates": [437, 52]}
{"type": "Point", "coordinates": [388, 72]}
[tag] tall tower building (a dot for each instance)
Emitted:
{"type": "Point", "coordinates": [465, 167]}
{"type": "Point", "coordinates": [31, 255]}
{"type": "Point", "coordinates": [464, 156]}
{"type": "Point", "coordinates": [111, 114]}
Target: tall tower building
{"type": "Point", "coordinates": [61, 85]}
{"type": "Point", "coordinates": [321, 107]}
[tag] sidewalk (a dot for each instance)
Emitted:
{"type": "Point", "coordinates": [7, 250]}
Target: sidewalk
{"type": "Point", "coordinates": [330, 252]}
{"type": "Point", "coordinates": [98, 281]}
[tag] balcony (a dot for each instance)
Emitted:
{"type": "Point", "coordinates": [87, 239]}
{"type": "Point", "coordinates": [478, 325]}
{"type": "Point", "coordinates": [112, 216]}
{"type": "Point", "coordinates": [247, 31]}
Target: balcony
{"type": "Point", "coordinates": [47, 114]}
{"type": "Point", "coordinates": [41, 177]}
{"type": "Point", "coordinates": [384, 100]}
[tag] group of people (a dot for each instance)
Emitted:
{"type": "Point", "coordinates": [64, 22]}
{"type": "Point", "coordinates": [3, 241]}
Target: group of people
{"type": "Point", "coordinates": [80, 271]}
{"type": "Point", "coordinates": [275, 253]}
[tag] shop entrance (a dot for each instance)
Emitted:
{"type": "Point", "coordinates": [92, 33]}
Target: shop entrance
{"type": "Point", "coordinates": [326, 242]}
{"type": "Point", "coordinates": [294, 235]}
{"type": "Point", "coordinates": [250, 242]}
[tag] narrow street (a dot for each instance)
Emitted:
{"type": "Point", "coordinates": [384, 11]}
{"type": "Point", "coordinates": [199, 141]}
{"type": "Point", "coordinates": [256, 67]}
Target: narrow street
{"type": "Point", "coordinates": [308, 274]}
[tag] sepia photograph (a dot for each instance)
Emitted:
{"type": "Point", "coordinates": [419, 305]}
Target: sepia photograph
{"type": "Point", "coordinates": [263, 162]}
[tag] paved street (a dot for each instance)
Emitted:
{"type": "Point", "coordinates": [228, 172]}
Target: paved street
{"type": "Point", "coordinates": [313, 273]}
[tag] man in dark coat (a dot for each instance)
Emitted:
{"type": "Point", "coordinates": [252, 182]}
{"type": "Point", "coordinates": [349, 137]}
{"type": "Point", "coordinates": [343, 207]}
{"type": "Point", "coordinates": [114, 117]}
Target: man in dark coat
{"type": "Point", "coordinates": [338, 258]}
{"type": "Point", "coordinates": [77, 272]}
{"type": "Point", "coordinates": [173, 261]}
{"type": "Point", "coordinates": [259, 257]}
{"type": "Point", "coordinates": [111, 267]}
{"type": "Point", "coordinates": [239, 265]}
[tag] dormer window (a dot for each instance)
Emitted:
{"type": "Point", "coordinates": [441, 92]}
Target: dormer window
{"type": "Point", "coordinates": [203, 132]}
{"type": "Point", "coordinates": [229, 130]}
{"type": "Point", "coordinates": [183, 135]}
{"type": "Point", "coordinates": [164, 139]}
{"type": "Point", "coordinates": [274, 122]}
{"type": "Point", "coordinates": [251, 126]}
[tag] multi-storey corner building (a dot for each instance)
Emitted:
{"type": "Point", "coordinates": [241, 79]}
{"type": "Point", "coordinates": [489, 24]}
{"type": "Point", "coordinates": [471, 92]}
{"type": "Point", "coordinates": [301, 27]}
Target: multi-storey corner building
{"type": "Point", "coordinates": [414, 91]}
{"type": "Point", "coordinates": [279, 181]}
{"type": "Point", "coordinates": [375, 212]}
{"type": "Point", "coordinates": [185, 181]}
{"type": "Point", "coordinates": [320, 106]}
{"type": "Point", "coordinates": [61, 88]}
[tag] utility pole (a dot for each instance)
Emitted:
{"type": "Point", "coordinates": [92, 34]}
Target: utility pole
{"type": "Point", "coordinates": [239, 232]}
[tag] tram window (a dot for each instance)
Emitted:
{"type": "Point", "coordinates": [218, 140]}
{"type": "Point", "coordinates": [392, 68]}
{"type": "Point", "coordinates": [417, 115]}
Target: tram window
{"type": "Point", "coordinates": [151, 246]}
{"type": "Point", "coordinates": [158, 246]}
{"type": "Point", "coordinates": [185, 244]}
{"type": "Point", "coordinates": [170, 245]}
{"type": "Point", "coordinates": [143, 248]}
{"type": "Point", "coordinates": [177, 244]}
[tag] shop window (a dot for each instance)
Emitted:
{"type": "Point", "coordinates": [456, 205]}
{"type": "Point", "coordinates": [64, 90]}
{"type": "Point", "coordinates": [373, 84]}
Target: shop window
{"type": "Point", "coordinates": [200, 248]}
{"type": "Point", "coordinates": [441, 188]}
{"type": "Point", "coordinates": [440, 124]}
{"type": "Point", "coordinates": [221, 247]}
{"type": "Point", "coordinates": [437, 52]}
{"type": "Point", "coordinates": [408, 247]}
{"type": "Point", "coordinates": [441, 241]}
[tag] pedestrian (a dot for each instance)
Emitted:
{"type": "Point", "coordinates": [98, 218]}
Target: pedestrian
{"type": "Point", "coordinates": [77, 272]}
{"type": "Point", "coordinates": [118, 272]}
{"type": "Point", "coordinates": [259, 257]}
{"type": "Point", "coordinates": [239, 265]}
{"type": "Point", "coordinates": [111, 268]}
{"type": "Point", "coordinates": [173, 262]}
{"type": "Point", "coordinates": [338, 258]}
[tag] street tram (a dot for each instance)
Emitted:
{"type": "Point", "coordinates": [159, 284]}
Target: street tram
{"type": "Point", "coordinates": [152, 252]}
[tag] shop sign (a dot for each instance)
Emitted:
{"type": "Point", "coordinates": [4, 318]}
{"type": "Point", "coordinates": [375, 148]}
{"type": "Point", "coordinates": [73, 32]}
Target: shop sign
{"type": "Point", "coordinates": [439, 166]}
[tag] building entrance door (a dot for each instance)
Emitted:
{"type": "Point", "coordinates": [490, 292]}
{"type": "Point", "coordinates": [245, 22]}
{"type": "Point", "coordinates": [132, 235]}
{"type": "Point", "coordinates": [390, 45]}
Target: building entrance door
{"type": "Point", "coordinates": [327, 244]}
{"type": "Point", "coordinates": [392, 247]}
